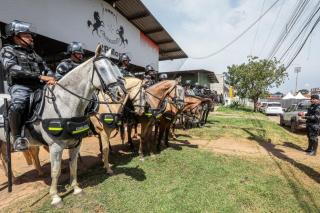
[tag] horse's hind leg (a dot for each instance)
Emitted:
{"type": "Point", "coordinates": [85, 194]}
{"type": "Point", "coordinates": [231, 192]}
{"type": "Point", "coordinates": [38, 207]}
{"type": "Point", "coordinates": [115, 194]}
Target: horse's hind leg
{"type": "Point", "coordinates": [105, 151]}
{"type": "Point", "coordinates": [34, 152]}
{"type": "Point", "coordinates": [55, 158]}
{"type": "Point", "coordinates": [73, 164]}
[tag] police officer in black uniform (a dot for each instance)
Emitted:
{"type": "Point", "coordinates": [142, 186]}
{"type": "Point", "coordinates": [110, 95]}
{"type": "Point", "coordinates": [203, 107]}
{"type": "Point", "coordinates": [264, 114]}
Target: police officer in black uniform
{"type": "Point", "coordinates": [313, 124]}
{"type": "Point", "coordinates": [124, 62]}
{"type": "Point", "coordinates": [187, 88]}
{"type": "Point", "coordinates": [163, 77]}
{"type": "Point", "coordinates": [197, 89]}
{"type": "Point", "coordinates": [75, 49]}
{"type": "Point", "coordinates": [150, 76]}
{"type": "Point", "coordinates": [26, 72]}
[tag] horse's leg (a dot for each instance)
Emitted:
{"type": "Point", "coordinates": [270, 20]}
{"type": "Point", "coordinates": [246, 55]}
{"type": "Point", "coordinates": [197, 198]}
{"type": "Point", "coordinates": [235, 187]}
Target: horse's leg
{"type": "Point", "coordinates": [142, 139]}
{"type": "Point", "coordinates": [105, 135]}
{"type": "Point", "coordinates": [3, 155]}
{"type": "Point", "coordinates": [34, 152]}
{"type": "Point", "coordinates": [135, 129]}
{"type": "Point", "coordinates": [161, 131]}
{"type": "Point", "coordinates": [122, 132]}
{"type": "Point", "coordinates": [130, 142]}
{"type": "Point", "coordinates": [73, 165]}
{"type": "Point", "coordinates": [166, 134]}
{"type": "Point", "coordinates": [55, 158]}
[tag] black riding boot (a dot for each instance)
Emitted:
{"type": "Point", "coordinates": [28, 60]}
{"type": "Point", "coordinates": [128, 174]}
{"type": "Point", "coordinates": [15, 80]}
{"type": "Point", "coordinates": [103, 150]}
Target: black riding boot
{"type": "Point", "coordinates": [15, 122]}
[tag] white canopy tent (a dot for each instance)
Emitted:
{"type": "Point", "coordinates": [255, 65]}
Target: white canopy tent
{"type": "Point", "coordinates": [299, 96]}
{"type": "Point", "coordinates": [288, 96]}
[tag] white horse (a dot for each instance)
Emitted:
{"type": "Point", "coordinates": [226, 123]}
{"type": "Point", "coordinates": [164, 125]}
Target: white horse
{"type": "Point", "coordinates": [69, 99]}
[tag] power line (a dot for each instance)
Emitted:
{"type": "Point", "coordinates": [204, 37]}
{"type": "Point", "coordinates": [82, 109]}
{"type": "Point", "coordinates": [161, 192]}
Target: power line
{"type": "Point", "coordinates": [273, 25]}
{"type": "Point", "coordinates": [289, 26]}
{"type": "Point", "coordinates": [306, 39]}
{"type": "Point", "coordinates": [258, 26]}
{"type": "Point", "coordinates": [302, 30]}
{"type": "Point", "coordinates": [239, 36]}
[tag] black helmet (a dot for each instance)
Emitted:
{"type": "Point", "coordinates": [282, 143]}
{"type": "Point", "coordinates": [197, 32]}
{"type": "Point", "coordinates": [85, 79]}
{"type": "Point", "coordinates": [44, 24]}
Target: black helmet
{"type": "Point", "coordinates": [149, 68]}
{"type": "Point", "coordinates": [124, 57]}
{"type": "Point", "coordinates": [163, 76]}
{"type": "Point", "coordinates": [75, 47]}
{"type": "Point", "coordinates": [16, 27]}
{"type": "Point", "coordinates": [188, 82]}
{"type": "Point", "coordinates": [315, 97]}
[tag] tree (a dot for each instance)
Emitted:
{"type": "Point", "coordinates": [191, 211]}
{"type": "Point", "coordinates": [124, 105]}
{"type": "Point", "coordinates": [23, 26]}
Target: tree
{"type": "Point", "coordinates": [254, 79]}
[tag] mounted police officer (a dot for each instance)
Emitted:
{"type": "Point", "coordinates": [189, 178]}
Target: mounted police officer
{"type": "Point", "coordinates": [26, 72]}
{"type": "Point", "coordinates": [150, 76]}
{"type": "Point", "coordinates": [313, 124]}
{"type": "Point", "coordinates": [75, 49]}
{"type": "Point", "coordinates": [124, 62]}
{"type": "Point", "coordinates": [163, 77]}
{"type": "Point", "coordinates": [187, 87]}
{"type": "Point", "coordinates": [197, 89]}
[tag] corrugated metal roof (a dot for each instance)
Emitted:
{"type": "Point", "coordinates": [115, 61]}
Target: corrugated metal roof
{"type": "Point", "coordinates": [137, 13]}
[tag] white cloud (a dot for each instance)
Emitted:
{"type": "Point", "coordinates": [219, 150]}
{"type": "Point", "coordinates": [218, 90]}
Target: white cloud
{"type": "Point", "coordinates": [204, 26]}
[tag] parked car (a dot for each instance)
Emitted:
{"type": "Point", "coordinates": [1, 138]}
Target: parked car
{"type": "Point", "coordinates": [262, 106]}
{"type": "Point", "coordinates": [273, 108]}
{"type": "Point", "coordinates": [291, 118]}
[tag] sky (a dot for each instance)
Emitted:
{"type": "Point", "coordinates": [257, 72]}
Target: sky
{"type": "Point", "coordinates": [204, 26]}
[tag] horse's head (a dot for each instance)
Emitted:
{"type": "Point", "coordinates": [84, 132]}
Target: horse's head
{"type": "Point", "coordinates": [108, 76]}
{"type": "Point", "coordinates": [177, 96]}
{"type": "Point", "coordinates": [136, 93]}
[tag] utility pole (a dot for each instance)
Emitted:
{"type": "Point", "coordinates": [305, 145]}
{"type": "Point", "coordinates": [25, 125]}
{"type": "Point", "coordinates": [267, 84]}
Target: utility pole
{"type": "Point", "coordinates": [297, 70]}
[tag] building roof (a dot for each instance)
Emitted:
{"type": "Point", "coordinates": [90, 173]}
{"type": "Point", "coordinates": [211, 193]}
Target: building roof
{"type": "Point", "coordinates": [211, 75]}
{"type": "Point", "coordinates": [137, 13]}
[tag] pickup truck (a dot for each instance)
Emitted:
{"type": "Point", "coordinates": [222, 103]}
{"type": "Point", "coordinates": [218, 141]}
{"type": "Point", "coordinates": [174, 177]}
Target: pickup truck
{"type": "Point", "coordinates": [291, 118]}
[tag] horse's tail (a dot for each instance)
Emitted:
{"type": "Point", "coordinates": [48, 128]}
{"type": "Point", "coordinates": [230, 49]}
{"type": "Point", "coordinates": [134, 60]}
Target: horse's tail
{"type": "Point", "coordinates": [89, 23]}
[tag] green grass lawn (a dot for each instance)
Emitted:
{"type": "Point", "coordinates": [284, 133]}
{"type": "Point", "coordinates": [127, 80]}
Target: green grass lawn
{"type": "Point", "coordinates": [186, 179]}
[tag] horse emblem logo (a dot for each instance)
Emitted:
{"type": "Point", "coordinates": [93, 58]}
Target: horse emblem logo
{"type": "Point", "coordinates": [120, 32]}
{"type": "Point", "coordinates": [111, 31]}
{"type": "Point", "coordinates": [97, 24]}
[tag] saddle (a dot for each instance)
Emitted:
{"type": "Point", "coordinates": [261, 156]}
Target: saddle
{"type": "Point", "coordinates": [59, 128]}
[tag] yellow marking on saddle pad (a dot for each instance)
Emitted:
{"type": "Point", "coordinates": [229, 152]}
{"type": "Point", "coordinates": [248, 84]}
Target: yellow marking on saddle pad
{"type": "Point", "coordinates": [80, 130]}
{"type": "Point", "coordinates": [108, 119]}
{"type": "Point", "coordinates": [55, 128]}
{"type": "Point", "coordinates": [148, 114]}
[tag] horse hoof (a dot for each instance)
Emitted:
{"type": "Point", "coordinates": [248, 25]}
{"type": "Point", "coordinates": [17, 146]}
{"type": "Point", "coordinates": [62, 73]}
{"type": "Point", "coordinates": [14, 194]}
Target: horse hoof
{"type": "Point", "coordinates": [110, 172]}
{"type": "Point", "coordinates": [57, 203]}
{"type": "Point", "coordinates": [79, 194]}
{"type": "Point", "coordinates": [153, 155]}
{"type": "Point", "coordinates": [142, 159]}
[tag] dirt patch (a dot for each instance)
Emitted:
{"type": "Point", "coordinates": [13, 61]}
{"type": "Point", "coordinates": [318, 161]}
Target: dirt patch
{"type": "Point", "coordinates": [29, 183]}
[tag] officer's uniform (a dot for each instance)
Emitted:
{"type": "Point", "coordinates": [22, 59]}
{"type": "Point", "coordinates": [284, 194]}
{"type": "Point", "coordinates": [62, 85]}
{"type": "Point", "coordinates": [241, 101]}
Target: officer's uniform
{"type": "Point", "coordinates": [313, 127]}
{"type": "Point", "coordinates": [64, 67]}
{"type": "Point", "coordinates": [23, 68]}
{"type": "Point", "coordinates": [150, 76]}
{"type": "Point", "coordinates": [125, 72]}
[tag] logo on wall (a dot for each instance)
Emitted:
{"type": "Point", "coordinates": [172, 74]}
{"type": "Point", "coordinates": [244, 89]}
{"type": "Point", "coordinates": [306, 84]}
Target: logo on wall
{"type": "Point", "coordinates": [107, 27]}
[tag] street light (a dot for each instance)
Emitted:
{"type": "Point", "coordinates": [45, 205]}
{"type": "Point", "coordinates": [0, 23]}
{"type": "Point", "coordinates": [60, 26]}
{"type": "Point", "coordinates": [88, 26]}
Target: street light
{"type": "Point", "coordinates": [297, 70]}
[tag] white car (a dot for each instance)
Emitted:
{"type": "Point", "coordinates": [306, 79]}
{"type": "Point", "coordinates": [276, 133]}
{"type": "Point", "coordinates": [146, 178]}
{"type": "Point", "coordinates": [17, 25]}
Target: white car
{"type": "Point", "coordinates": [273, 108]}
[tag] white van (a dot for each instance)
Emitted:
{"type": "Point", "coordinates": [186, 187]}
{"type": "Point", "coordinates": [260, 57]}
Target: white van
{"type": "Point", "coordinates": [273, 108]}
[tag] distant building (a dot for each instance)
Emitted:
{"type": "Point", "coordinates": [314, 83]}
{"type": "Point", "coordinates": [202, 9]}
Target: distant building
{"type": "Point", "coordinates": [203, 77]}
{"type": "Point", "coordinates": [315, 91]}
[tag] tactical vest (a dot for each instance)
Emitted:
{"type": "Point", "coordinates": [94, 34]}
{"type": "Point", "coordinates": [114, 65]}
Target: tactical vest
{"type": "Point", "coordinates": [30, 62]}
{"type": "Point", "coordinates": [71, 65]}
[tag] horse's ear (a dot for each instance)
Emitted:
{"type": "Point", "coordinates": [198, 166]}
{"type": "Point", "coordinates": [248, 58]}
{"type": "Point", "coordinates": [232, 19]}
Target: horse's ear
{"type": "Point", "coordinates": [98, 50]}
{"type": "Point", "coordinates": [178, 79]}
{"type": "Point", "coordinates": [108, 54]}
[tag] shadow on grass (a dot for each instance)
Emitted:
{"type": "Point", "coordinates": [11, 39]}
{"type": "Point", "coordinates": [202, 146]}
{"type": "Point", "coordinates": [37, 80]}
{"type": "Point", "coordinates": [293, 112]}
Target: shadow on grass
{"type": "Point", "coordinates": [292, 181]}
{"type": "Point", "coordinates": [292, 145]}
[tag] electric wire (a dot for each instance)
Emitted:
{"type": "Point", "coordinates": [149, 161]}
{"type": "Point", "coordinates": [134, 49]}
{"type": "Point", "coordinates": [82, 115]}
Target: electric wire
{"type": "Point", "coordinates": [239, 36]}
